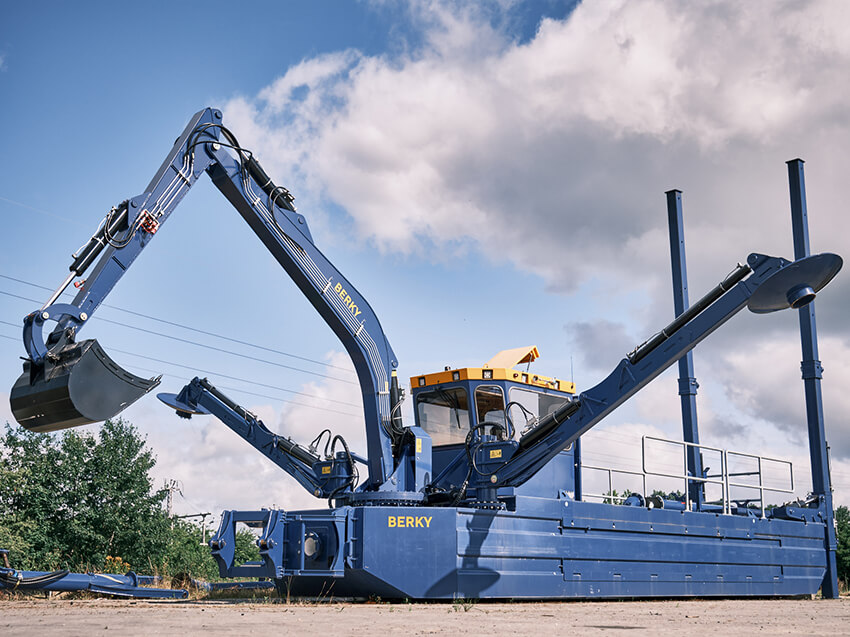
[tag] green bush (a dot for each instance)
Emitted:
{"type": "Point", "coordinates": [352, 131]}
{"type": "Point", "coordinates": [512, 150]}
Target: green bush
{"type": "Point", "coordinates": [76, 499]}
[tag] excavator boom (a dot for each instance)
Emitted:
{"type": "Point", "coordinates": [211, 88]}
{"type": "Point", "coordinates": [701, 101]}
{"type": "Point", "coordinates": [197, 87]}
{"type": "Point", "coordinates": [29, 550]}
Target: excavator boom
{"type": "Point", "coordinates": [67, 383]}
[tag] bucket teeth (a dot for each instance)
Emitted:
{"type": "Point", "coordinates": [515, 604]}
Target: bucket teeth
{"type": "Point", "coordinates": [78, 384]}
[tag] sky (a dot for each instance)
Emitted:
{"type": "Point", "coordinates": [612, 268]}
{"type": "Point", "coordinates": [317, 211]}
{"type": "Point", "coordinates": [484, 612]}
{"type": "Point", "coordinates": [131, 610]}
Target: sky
{"type": "Point", "coordinates": [489, 176]}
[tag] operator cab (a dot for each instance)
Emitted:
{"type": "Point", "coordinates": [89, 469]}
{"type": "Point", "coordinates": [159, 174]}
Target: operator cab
{"type": "Point", "coordinates": [449, 403]}
{"type": "Point", "coordinates": [455, 402]}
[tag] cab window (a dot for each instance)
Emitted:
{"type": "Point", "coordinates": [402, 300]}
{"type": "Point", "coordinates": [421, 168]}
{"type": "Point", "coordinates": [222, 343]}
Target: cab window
{"type": "Point", "coordinates": [444, 414]}
{"type": "Point", "coordinates": [490, 404]}
{"type": "Point", "coordinates": [536, 404]}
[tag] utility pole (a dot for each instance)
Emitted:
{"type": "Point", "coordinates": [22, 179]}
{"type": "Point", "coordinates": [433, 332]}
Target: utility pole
{"type": "Point", "coordinates": [204, 527]}
{"type": "Point", "coordinates": [203, 517]}
{"type": "Point", "coordinates": [171, 486]}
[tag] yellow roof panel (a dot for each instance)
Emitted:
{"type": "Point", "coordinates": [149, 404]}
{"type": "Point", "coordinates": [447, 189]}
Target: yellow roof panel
{"type": "Point", "coordinates": [512, 357]}
{"type": "Point", "coordinates": [500, 367]}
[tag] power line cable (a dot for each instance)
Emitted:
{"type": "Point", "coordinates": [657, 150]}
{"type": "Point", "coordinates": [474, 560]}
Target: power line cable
{"type": "Point", "coordinates": [191, 342]}
{"type": "Point", "coordinates": [219, 349]}
{"type": "Point", "coordinates": [40, 211]}
{"type": "Point", "coordinates": [153, 318]}
{"type": "Point", "coordinates": [252, 393]}
{"type": "Point", "coordinates": [186, 327]}
{"type": "Point", "coordinates": [222, 375]}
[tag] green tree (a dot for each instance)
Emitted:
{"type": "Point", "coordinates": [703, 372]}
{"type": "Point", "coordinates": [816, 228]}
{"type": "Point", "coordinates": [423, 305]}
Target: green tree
{"type": "Point", "coordinates": [613, 497]}
{"type": "Point", "coordinates": [246, 547]}
{"type": "Point", "coordinates": [70, 501]}
{"type": "Point", "coordinates": [186, 554]}
{"type": "Point", "coordinates": [678, 496]}
{"type": "Point", "coordinates": [842, 524]}
{"type": "Point", "coordinates": [28, 472]}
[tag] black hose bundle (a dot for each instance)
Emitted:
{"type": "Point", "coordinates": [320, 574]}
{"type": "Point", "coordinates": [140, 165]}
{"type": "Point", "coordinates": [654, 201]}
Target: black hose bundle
{"type": "Point", "coordinates": [355, 474]}
{"type": "Point", "coordinates": [13, 579]}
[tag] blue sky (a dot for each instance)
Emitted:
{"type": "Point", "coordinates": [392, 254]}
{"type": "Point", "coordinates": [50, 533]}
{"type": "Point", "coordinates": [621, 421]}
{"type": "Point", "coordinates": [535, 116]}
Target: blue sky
{"type": "Point", "coordinates": [488, 177]}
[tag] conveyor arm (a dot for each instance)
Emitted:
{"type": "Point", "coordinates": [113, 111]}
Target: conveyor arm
{"type": "Point", "coordinates": [765, 284]}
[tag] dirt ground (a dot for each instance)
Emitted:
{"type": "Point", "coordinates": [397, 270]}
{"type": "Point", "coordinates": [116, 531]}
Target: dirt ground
{"type": "Point", "coordinates": [728, 617]}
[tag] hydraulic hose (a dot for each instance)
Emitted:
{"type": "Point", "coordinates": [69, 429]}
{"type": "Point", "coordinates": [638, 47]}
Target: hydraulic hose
{"type": "Point", "coordinates": [38, 581]}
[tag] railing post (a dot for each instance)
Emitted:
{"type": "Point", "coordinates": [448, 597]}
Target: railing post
{"type": "Point", "coordinates": [812, 374]}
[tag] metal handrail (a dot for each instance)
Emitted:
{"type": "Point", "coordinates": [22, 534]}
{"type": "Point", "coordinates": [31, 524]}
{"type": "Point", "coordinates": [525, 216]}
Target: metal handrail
{"type": "Point", "coordinates": [724, 477]}
{"type": "Point", "coordinates": [688, 478]}
{"type": "Point", "coordinates": [761, 488]}
{"type": "Point", "coordinates": [610, 472]}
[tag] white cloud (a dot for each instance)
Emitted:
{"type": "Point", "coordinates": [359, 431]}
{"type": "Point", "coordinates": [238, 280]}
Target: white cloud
{"type": "Point", "coordinates": [218, 470]}
{"type": "Point", "coordinates": [773, 392]}
{"type": "Point", "coordinates": [5, 409]}
{"type": "Point", "coordinates": [303, 424]}
{"type": "Point", "coordinates": [555, 152]}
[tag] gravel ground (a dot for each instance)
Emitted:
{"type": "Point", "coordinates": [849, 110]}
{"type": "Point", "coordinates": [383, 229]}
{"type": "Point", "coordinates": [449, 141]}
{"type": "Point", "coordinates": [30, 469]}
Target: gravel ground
{"type": "Point", "coordinates": [696, 617]}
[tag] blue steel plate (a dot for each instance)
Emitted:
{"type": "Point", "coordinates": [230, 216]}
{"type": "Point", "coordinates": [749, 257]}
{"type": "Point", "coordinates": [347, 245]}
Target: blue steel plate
{"type": "Point", "coordinates": [813, 272]}
{"type": "Point", "coordinates": [171, 401]}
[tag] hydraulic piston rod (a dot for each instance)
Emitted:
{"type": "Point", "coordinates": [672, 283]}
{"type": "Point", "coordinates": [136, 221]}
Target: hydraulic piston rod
{"type": "Point", "coordinates": [683, 319]}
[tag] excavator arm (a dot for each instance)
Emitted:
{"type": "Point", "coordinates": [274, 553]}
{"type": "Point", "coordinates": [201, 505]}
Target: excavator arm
{"type": "Point", "coordinates": [68, 383]}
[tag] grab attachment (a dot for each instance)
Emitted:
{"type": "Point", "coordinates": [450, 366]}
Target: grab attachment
{"type": "Point", "coordinates": [68, 384]}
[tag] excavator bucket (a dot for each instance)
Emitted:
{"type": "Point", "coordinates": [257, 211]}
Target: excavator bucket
{"type": "Point", "coordinates": [78, 384]}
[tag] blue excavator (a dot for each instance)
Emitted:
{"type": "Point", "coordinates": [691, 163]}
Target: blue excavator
{"type": "Point", "coordinates": [480, 498]}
